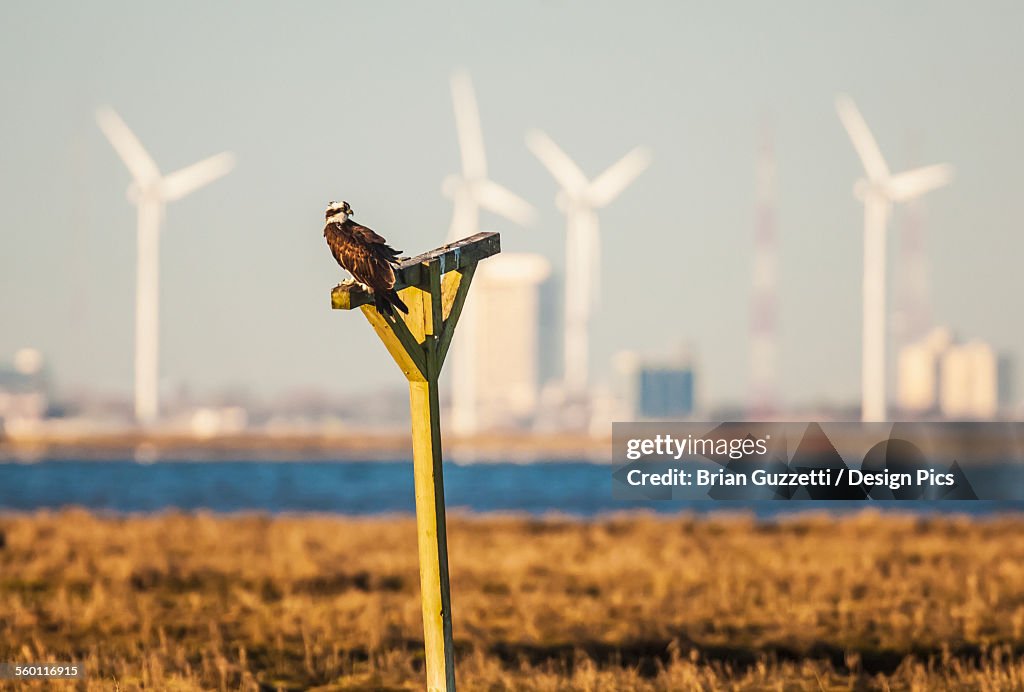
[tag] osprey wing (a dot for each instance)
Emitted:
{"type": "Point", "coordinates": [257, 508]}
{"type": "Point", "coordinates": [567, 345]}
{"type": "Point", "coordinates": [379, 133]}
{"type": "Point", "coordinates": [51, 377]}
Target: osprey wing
{"type": "Point", "coordinates": [372, 239]}
{"type": "Point", "coordinates": [363, 253]}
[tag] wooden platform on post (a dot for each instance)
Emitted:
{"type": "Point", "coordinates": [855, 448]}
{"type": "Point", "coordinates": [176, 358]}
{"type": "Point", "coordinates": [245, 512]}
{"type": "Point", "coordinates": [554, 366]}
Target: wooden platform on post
{"type": "Point", "coordinates": [434, 286]}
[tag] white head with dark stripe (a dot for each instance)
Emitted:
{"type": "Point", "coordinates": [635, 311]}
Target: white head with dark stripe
{"type": "Point", "coordinates": [338, 212]}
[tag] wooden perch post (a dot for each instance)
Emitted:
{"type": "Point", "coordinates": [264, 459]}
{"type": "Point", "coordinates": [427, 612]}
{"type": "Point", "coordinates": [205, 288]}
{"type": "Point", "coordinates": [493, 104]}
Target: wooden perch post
{"type": "Point", "coordinates": [434, 286]}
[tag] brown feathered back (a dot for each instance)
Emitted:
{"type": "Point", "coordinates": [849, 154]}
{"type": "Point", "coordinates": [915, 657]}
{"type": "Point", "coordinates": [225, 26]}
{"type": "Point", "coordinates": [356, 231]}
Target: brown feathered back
{"type": "Point", "coordinates": [363, 254]}
{"type": "Point", "coordinates": [368, 258]}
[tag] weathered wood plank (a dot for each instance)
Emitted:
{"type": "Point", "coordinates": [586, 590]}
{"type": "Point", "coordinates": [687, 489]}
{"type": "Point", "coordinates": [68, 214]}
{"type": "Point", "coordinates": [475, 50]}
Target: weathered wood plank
{"type": "Point", "coordinates": [436, 299]}
{"type": "Point", "coordinates": [432, 536]}
{"type": "Point", "coordinates": [425, 312]}
{"type": "Point", "coordinates": [412, 272]}
{"type": "Point", "coordinates": [458, 300]}
{"type": "Point", "coordinates": [449, 288]}
{"type": "Point", "coordinates": [400, 343]}
{"type": "Point", "coordinates": [418, 302]}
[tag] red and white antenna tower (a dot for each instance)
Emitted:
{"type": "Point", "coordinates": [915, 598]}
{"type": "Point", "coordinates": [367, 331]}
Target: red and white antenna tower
{"type": "Point", "coordinates": [764, 299]}
{"type": "Point", "coordinates": [912, 316]}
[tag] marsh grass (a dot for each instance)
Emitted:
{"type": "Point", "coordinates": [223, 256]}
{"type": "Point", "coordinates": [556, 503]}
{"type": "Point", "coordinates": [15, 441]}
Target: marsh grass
{"type": "Point", "coordinates": [200, 601]}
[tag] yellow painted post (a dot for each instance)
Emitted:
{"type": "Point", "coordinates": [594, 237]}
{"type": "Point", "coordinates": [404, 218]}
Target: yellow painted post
{"type": "Point", "coordinates": [435, 590]}
{"type": "Point", "coordinates": [434, 287]}
{"type": "Point", "coordinates": [425, 323]}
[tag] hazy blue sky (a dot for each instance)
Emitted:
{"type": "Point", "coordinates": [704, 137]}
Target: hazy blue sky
{"type": "Point", "coordinates": [326, 101]}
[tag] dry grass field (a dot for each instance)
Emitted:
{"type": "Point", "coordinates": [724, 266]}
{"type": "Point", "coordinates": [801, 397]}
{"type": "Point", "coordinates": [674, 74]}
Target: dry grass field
{"type": "Point", "coordinates": [639, 602]}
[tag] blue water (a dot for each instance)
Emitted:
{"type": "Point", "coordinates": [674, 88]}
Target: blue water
{"type": "Point", "coordinates": [577, 488]}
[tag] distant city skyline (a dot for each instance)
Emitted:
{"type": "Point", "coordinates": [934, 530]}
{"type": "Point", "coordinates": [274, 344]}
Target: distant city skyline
{"type": "Point", "coordinates": [325, 101]}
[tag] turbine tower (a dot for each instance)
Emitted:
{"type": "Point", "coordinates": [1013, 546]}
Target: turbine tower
{"type": "Point", "coordinates": [470, 191]}
{"type": "Point", "coordinates": [879, 189]}
{"type": "Point", "coordinates": [764, 307]}
{"type": "Point", "coordinates": [150, 191]}
{"type": "Point", "coordinates": [579, 199]}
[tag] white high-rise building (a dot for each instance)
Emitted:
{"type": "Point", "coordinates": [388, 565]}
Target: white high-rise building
{"type": "Point", "coordinates": [970, 381]}
{"type": "Point", "coordinates": [962, 381]}
{"type": "Point", "coordinates": [917, 388]}
{"type": "Point", "coordinates": [23, 391]}
{"type": "Point", "coordinates": [501, 344]}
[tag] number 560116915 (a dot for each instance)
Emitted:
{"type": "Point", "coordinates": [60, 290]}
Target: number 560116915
{"type": "Point", "coordinates": [23, 671]}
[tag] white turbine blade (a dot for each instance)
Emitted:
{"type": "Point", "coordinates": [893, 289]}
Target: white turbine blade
{"type": "Point", "coordinates": [190, 178]}
{"type": "Point", "coordinates": [467, 126]}
{"type": "Point", "coordinates": [914, 183]}
{"type": "Point", "coordinates": [558, 163]}
{"type": "Point", "coordinates": [617, 178]}
{"type": "Point", "coordinates": [127, 146]}
{"type": "Point", "coordinates": [500, 200]}
{"type": "Point", "coordinates": [465, 216]}
{"type": "Point", "coordinates": [863, 141]}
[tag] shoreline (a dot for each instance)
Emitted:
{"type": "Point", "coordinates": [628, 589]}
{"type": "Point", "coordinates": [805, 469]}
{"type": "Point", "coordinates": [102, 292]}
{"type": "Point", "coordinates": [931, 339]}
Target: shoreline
{"type": "Point", "coordinates": [263, 446]}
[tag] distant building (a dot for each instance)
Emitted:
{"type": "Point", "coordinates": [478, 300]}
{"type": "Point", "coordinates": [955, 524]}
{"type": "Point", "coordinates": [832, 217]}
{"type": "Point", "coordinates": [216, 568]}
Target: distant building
{"type": "Point", "coordinates": [656, 388]}
{"type": "Point", "coordinates": [23, 392]}
{"type": "Point", "coordinates": [970, 382]}
{"type": "Point", "coordinates": [495, 373]}
{"type": "Point", "coordinates": [938, 375]}
{"type": "Point", "coordinates": [917, 388]}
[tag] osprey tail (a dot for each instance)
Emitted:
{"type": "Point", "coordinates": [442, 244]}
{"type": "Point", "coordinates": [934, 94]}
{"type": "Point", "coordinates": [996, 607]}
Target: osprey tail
{"type": "Point", "coordinates": [387, 301]}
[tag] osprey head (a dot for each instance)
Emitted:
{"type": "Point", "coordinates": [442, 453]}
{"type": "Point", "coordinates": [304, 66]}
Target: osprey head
{"type": "Point", "coordinates": [338, 211]}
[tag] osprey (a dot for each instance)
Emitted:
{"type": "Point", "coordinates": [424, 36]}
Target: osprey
{"type": "Point", "coordinates": [364, 255]}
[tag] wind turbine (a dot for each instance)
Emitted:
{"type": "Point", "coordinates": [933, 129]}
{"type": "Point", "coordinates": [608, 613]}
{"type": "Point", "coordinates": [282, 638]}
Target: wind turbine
{"type": "Point", "coordinates": [579, 199]}
{"type": "Point", "coordinates": [879, 189]}
{"type": "Point", "coordinates": [473, 190]}
{"type": "Point", "coordinates": [150, 191]}
{"type": "Point", "coordinates": [470, 191]}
